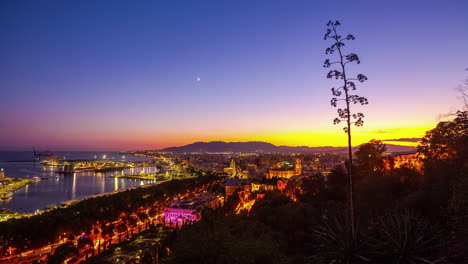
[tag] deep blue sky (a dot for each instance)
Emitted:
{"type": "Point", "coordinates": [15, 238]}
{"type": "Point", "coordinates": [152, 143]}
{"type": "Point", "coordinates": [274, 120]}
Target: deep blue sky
{"type": "Point", "coordinates": [123, 74]}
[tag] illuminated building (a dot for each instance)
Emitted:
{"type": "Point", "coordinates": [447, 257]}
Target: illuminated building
{"type": "Point", "coordinates": [228, 171]}
{"type": "Point", "coordinates": [286, 173]}
{"type": "Point", "coordinates": [233, 166]}
{"type": "Point", "coordinates": [2, 175]}
{"type": "Point", "coordinates": [232, 169]}
{"type": "Point", "coordinates": [176, 217]}
{"type": "Point", "coordinates": [255, 187]}
{"type": "Point", "coordinates": [279, 185]}
{"type": "Point", "coordinates": [188, 211]}
{"type": "Point", "coordinates": [233, 185]}
{"type": "Point", "coordinates": [397, 161]}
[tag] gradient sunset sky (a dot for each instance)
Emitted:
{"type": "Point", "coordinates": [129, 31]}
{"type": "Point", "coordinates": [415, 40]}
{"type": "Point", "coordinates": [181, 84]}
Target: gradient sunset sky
{"type": "Point", "coordinates": [118, 75]}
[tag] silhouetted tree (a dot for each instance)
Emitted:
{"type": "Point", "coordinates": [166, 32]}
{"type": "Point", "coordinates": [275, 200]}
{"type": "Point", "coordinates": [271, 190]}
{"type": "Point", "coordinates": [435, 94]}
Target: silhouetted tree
{"type": "Point", "coordinates": [463, 93]}
{"type": "Point", "coordinates": [444, 150]}
{"type": "Point", "coordinates": [369, 157]}
{"type": "Point", "coordinates": [313, 187]}
{"type": "Point", "coordinates": [147, 259]}
{"type": "Point", "coordinates": [337, 184]}
{"type": "Point", "coordinates": [232, 201]}
{"type": "Point", "coordinates": [344, 114]}
{"type": "Point", "coordinates": [63, 252]}
{"type": "Point", "coordinates": [83, 242]}
{"type": "Point", "coordinates": [447, 142]}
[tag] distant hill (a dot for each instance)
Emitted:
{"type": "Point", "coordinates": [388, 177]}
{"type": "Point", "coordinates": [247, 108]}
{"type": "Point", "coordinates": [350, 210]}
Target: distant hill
{"type": "Point", "coordinates": [259, 147]}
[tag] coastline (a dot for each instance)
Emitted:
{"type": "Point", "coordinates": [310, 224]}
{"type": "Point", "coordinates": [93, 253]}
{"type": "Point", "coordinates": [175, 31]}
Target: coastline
{"type": "Point", "coordinates": [13, 184]}
{"type": "Point", "coordinates": [150, 177]}
{"type": "Point", "coordinates": [70, 202]}
{"type": "Point", "coordinates": [139, 176]}
{"type": "Point", "coordinates": [14, 214]}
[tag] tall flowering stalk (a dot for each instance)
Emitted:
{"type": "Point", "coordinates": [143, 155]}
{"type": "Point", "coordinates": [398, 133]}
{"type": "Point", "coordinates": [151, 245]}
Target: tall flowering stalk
{"type": "Point", "coordinates": [343, 92]}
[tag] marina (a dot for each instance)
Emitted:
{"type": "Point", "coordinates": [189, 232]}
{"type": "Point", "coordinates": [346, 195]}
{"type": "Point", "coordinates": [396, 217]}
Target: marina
{"type": "Point", "coordinates": [46, 187]}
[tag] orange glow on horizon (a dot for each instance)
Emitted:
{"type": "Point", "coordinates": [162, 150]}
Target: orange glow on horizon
{"type": "Point", "coordinates": [154, 140]}
{"type": "Point", "coordinates": [334, 137]}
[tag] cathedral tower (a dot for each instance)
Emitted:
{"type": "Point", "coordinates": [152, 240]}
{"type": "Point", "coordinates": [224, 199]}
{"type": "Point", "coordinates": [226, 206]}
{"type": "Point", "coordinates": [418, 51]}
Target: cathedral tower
{"type": "Point", "coordinates": [298, 166]}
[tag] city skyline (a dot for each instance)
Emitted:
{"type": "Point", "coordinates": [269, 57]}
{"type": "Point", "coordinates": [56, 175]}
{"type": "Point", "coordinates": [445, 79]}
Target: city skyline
{"type": "Point", "coordinates": [95, 76]}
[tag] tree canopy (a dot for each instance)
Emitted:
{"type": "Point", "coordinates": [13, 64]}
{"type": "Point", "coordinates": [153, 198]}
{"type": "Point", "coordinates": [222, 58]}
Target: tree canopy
{"type": "Point", "coordinates": [369, 157]}
{"type": "Point", "coordinates": [448, 141]}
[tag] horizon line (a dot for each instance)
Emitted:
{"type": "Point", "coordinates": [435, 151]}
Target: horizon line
{"type": "Point", "coordinates": [77, 149]}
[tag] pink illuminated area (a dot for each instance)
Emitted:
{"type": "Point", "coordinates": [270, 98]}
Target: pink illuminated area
{"type": "Point", "coordinates": [176, 217]}
{"type": "Point", "coordinates": [187, 211]}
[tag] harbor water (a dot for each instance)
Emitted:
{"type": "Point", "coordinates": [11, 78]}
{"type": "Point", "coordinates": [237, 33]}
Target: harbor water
{"type": "Point", "coordinates": [55, 188]}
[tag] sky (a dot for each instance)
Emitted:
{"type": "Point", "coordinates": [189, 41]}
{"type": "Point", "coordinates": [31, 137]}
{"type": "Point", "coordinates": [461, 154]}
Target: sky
{"type": "Point", "coordinates": [128, 75]}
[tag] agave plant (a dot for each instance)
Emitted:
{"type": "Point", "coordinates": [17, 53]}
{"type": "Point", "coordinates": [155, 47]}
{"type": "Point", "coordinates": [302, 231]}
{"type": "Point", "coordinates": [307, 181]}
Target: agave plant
{"type": "Point", "coordinates": [336, 241]}
{"type": "Point", "coordinates": [404, 237]}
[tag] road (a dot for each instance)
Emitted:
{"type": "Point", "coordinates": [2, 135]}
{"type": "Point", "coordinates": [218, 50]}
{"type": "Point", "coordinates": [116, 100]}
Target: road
{"type": "Point", "coordinates": [98, 239]}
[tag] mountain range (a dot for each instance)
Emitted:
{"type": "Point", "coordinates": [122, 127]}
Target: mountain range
{"type": "Point", "coordinates": [259, 147]}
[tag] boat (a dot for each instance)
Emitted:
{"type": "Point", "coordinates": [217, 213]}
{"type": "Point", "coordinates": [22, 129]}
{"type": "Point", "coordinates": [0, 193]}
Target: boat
{"type": "Point", "coordinates": [84, 169]}
{"type": "Point", "coordinates": [7, 196]}
{"type": "Point", "coordinates": [108, 169]}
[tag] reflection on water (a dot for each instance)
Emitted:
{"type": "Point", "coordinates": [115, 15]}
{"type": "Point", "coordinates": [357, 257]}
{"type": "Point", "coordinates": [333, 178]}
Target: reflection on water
{"type": "Point", "coordinates": [116, 184]}
{"type": "Point", "coordinates": [55, 188]}
{"type": "Point", "coordinates": [74, 186]}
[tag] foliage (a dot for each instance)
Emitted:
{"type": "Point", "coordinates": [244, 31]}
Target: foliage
{"type": "Point", "coordinates": [444, 151]}
{"type": "Point", "coordinates": [338, 242]}
{"type": "Point", "coordinates": [395, 237]}
{"type": "Point", "coordinates": [144, 246]}
{"type": "Point", "coordinates": [405, 237]}
{"type": "Point", "coordinates": [458, 205]}
{"type": "Point", "coordinates": [63, 252]}
{"type": "Point", "coordinates": [448, 141]}
{"type": "Point", "coordinates": [293, 188]}
{"type": "Point", "coordinates": [313, 187]}
{"type": "Point", "coordinates": [83, 242]}
{"type": "Point", "coordinates": [147, 259]}
{"type": "Point", "coordinates": [369, 158]}
{"type": "Point", "coordinates": [408, 180]}
{"type": "Point", "coordinates": [374, 195]}
{"type": "Point", "coordinates": [232, 201]}
{"type": "Point", "coordinates": [458, 220]}
{"type": "Point", "coordinates": [226, 239]}
{"type": "Point", "coordinates": [337, 184]}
